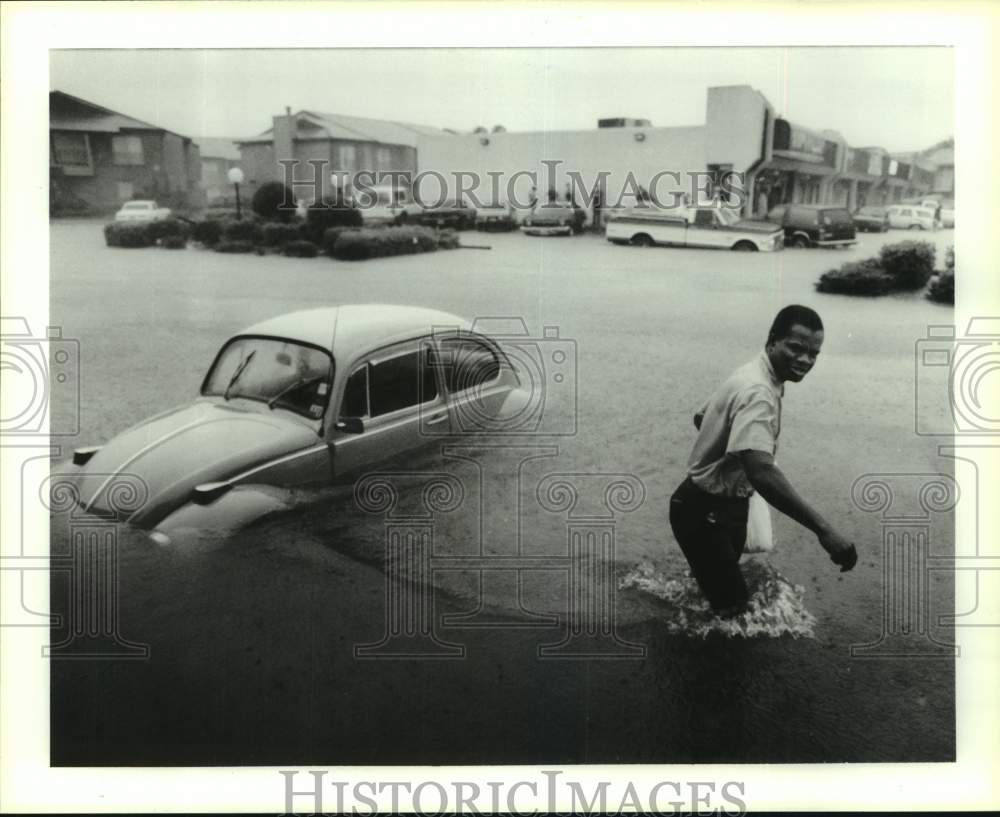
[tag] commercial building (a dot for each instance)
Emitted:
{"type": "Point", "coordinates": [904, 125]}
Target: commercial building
{"type": "Point", "coordinates": [781, 161]}
{"type": "Point", "coordinates": [99, 159]}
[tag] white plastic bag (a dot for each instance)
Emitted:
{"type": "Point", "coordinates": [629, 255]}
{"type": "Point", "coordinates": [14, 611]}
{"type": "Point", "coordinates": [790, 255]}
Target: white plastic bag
{"type": "Point", "coordinates": [760, 535]}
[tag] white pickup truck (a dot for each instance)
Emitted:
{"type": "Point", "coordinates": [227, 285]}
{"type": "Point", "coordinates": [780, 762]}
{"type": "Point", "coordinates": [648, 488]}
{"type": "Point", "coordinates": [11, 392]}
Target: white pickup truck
{"type": "Point", "coordinates": [710, 226]}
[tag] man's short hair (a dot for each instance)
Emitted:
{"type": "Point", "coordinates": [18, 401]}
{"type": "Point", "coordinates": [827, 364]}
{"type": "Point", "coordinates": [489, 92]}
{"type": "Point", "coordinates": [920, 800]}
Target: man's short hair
{"type": "Point", "coordinates": [789, 317]}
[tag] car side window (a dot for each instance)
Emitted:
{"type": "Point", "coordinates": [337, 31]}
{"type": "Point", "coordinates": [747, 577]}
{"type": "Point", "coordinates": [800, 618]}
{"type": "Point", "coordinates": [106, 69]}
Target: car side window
{"type": "Point", "coordinates": [355, 402]}
{"type": "Point", "coordinates": [401, 381]}
{"type": "Point", "coordinates": [704, 218]}
{"type": "Point", "coordinates": [467, 363]}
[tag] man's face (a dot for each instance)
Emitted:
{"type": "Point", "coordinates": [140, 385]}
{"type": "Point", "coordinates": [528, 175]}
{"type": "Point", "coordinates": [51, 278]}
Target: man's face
{"type": "Point", "coordinates": [795, 354]}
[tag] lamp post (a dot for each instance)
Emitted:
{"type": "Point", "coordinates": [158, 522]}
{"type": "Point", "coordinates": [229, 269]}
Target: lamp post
{"type": "Point", "coordinates": [236, 177]}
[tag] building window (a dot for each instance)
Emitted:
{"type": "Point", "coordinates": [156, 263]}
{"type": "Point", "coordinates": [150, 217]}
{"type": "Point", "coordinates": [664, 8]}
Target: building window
{"type": "Point", "coordinates": [383, 157]}
{"type": "Point", "coordinates": [348, 157]}
{"type": "Point", "coordinates": [71, 152]}
{"type": "Point", "coordinates": [127, 150]}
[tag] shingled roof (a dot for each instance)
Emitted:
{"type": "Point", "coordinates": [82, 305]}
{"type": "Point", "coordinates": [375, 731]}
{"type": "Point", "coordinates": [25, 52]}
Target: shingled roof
{"type": "Point", "coordinates": [317, 125]}
{"type": "Point", "coordinates": [75, 114]}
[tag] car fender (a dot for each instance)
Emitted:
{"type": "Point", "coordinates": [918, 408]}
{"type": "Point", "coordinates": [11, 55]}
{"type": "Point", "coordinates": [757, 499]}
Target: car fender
{"type": "Point", "coordinates": [231, 511]}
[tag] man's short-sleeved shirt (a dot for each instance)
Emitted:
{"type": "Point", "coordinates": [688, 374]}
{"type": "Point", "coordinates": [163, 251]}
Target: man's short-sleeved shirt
{"type": "Point", "coordinates": [744, 414]}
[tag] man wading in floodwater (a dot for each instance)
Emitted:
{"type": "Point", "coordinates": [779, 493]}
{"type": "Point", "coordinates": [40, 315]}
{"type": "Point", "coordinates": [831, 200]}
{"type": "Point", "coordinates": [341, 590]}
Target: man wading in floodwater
{"type": "Point", "coordinates": [734, 455]}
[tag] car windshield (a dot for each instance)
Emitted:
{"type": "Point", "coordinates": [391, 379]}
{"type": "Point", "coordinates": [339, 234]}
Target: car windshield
{"type": "Point", "coordinates": [138, 205]}
{"type": "Point", "coordinates": [280, 373]}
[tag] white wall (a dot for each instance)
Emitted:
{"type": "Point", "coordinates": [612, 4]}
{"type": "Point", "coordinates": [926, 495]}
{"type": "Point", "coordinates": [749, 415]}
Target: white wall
{"type": "Point", "coordinates": [615, 150]}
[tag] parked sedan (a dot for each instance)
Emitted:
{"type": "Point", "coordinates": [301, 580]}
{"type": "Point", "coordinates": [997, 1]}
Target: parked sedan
{"type": "Point", "coordinates": [299, 400]}
{"type": "Point", "coordinates": [494, 218]}
{"type": "Point", "coordinates": [454, 214]}
{"type": "Point", "coordinates": [554, 219]}
{"type": "Point", "coordinates": [871, 219]}
{"type": "Point", "coordinates": [143, 210]}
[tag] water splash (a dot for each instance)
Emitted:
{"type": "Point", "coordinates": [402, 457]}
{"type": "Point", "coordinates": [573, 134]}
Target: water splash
{"type": "Point", "coordinates": [776, 606]}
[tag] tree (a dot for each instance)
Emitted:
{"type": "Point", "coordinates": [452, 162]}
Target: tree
{"type": "Point", "coordinates": [273, 201]}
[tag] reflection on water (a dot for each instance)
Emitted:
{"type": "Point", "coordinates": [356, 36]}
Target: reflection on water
{"type": "Point", "coordinates": [776, 606]}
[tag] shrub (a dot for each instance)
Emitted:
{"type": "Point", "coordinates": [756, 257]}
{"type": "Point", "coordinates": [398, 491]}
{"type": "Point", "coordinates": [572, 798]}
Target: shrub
{"type": "Point", "coordinates": [942, 288]}
{"type": "Point", "coordinates": [301, 249]}
{"type": "Point", "coordinates": [273, 201]}
{"type": "Point", "coordinates": [447, 240]}
{"type": "Point", "coordinates": [908, 263]}
{"type": "Point", "coordinates": [274, 234]}
{"type": "Point", "coordinates": [207, 232]}
{"type": "Point", "coordinates": [857, 278]}
{"type": "Point", "coordinates": [357, 245]}
{"type": "Point", "coordinates": [174, 242]}
{"type": "Point", "coordinates": [234, 246]}
{"type": "Point", "coordinates": [168, 227]}
{"type": "Point", "coordinates": [129, 235]}
{"type": "Point", "coordinates": [326, 215]}
{"type": "Point", "coordinates": [241, 231]}
{"type": "Point", "coordinates": [330, 236]}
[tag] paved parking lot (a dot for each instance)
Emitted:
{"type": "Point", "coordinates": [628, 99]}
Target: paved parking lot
{"type": "Point", "coordinates": [654, 331]}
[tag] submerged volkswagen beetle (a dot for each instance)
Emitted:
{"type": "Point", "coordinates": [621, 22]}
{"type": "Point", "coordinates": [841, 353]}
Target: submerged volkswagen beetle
{"type": "Point", "coordinates": [303, 399]}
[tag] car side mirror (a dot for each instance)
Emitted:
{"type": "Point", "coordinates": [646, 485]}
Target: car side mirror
{"type": "Point", "coordinates": [350, 425]}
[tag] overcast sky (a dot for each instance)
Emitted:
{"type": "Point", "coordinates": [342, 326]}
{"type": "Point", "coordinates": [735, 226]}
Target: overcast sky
{"type": "Point", "coordinates": [899, 98]}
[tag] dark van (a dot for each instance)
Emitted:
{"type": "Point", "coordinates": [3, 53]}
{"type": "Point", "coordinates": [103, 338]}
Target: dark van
{"type": "Point", "coordinates": [815, 225]}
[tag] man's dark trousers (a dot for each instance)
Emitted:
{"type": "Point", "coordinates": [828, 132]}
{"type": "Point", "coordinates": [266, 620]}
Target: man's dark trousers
{"type": "Point", "coordinates": [712, 532]}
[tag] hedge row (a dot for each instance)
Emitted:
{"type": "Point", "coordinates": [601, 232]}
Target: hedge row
{"type": "Point", "coordinates": [359, 245]}
{"type": "Point", "coordinates": [171, 233]}
{"type": "Point", "coordinates": [342, 241]}
{"type": "Point", "coordinates": [904, 266]}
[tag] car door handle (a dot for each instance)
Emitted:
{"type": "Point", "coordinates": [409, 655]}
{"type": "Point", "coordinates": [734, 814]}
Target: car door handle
{"type": "Point", "coordinates": [440, 418]}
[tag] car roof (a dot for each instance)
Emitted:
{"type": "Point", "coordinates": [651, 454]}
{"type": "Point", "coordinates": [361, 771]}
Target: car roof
{"type": "Point", "coordinates": [352, 329]}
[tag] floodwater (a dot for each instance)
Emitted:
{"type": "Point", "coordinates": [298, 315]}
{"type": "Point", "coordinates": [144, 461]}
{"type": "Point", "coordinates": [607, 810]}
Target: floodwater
{"type": "Point", "coordinates": [257, 635]}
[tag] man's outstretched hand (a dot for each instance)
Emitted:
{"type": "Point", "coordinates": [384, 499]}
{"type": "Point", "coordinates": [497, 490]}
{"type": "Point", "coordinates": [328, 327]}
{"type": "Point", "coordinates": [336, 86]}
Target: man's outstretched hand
{"type": "Point", "coordinates": [841, 551]}
{"type": "Point", "coordinates": [845, 558]}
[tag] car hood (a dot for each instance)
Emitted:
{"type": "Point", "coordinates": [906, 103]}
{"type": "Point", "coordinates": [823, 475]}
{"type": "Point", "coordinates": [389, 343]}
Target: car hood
{"type": "Point", "coordinates": [751, 226]}
{"type": "Point", "coordinates": [146, 472]}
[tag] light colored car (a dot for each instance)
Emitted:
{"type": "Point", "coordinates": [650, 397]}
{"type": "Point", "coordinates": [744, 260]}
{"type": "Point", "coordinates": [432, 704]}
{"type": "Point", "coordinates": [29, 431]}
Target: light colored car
{"type": "Point", "coordinates": [554, 219]}
{"type": "Point", "coordinates": [948, 217]}
{"type": "Point", "coordinates": [387, 204]}
{"type": "Point", "coordinates": [709, 227]}
{"type": "Point", "coordinates": [142, 210]}
{"type": "Point", "coordinates": [912, 217]}
{"type": "Point", "coordinates": [299, 400]}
